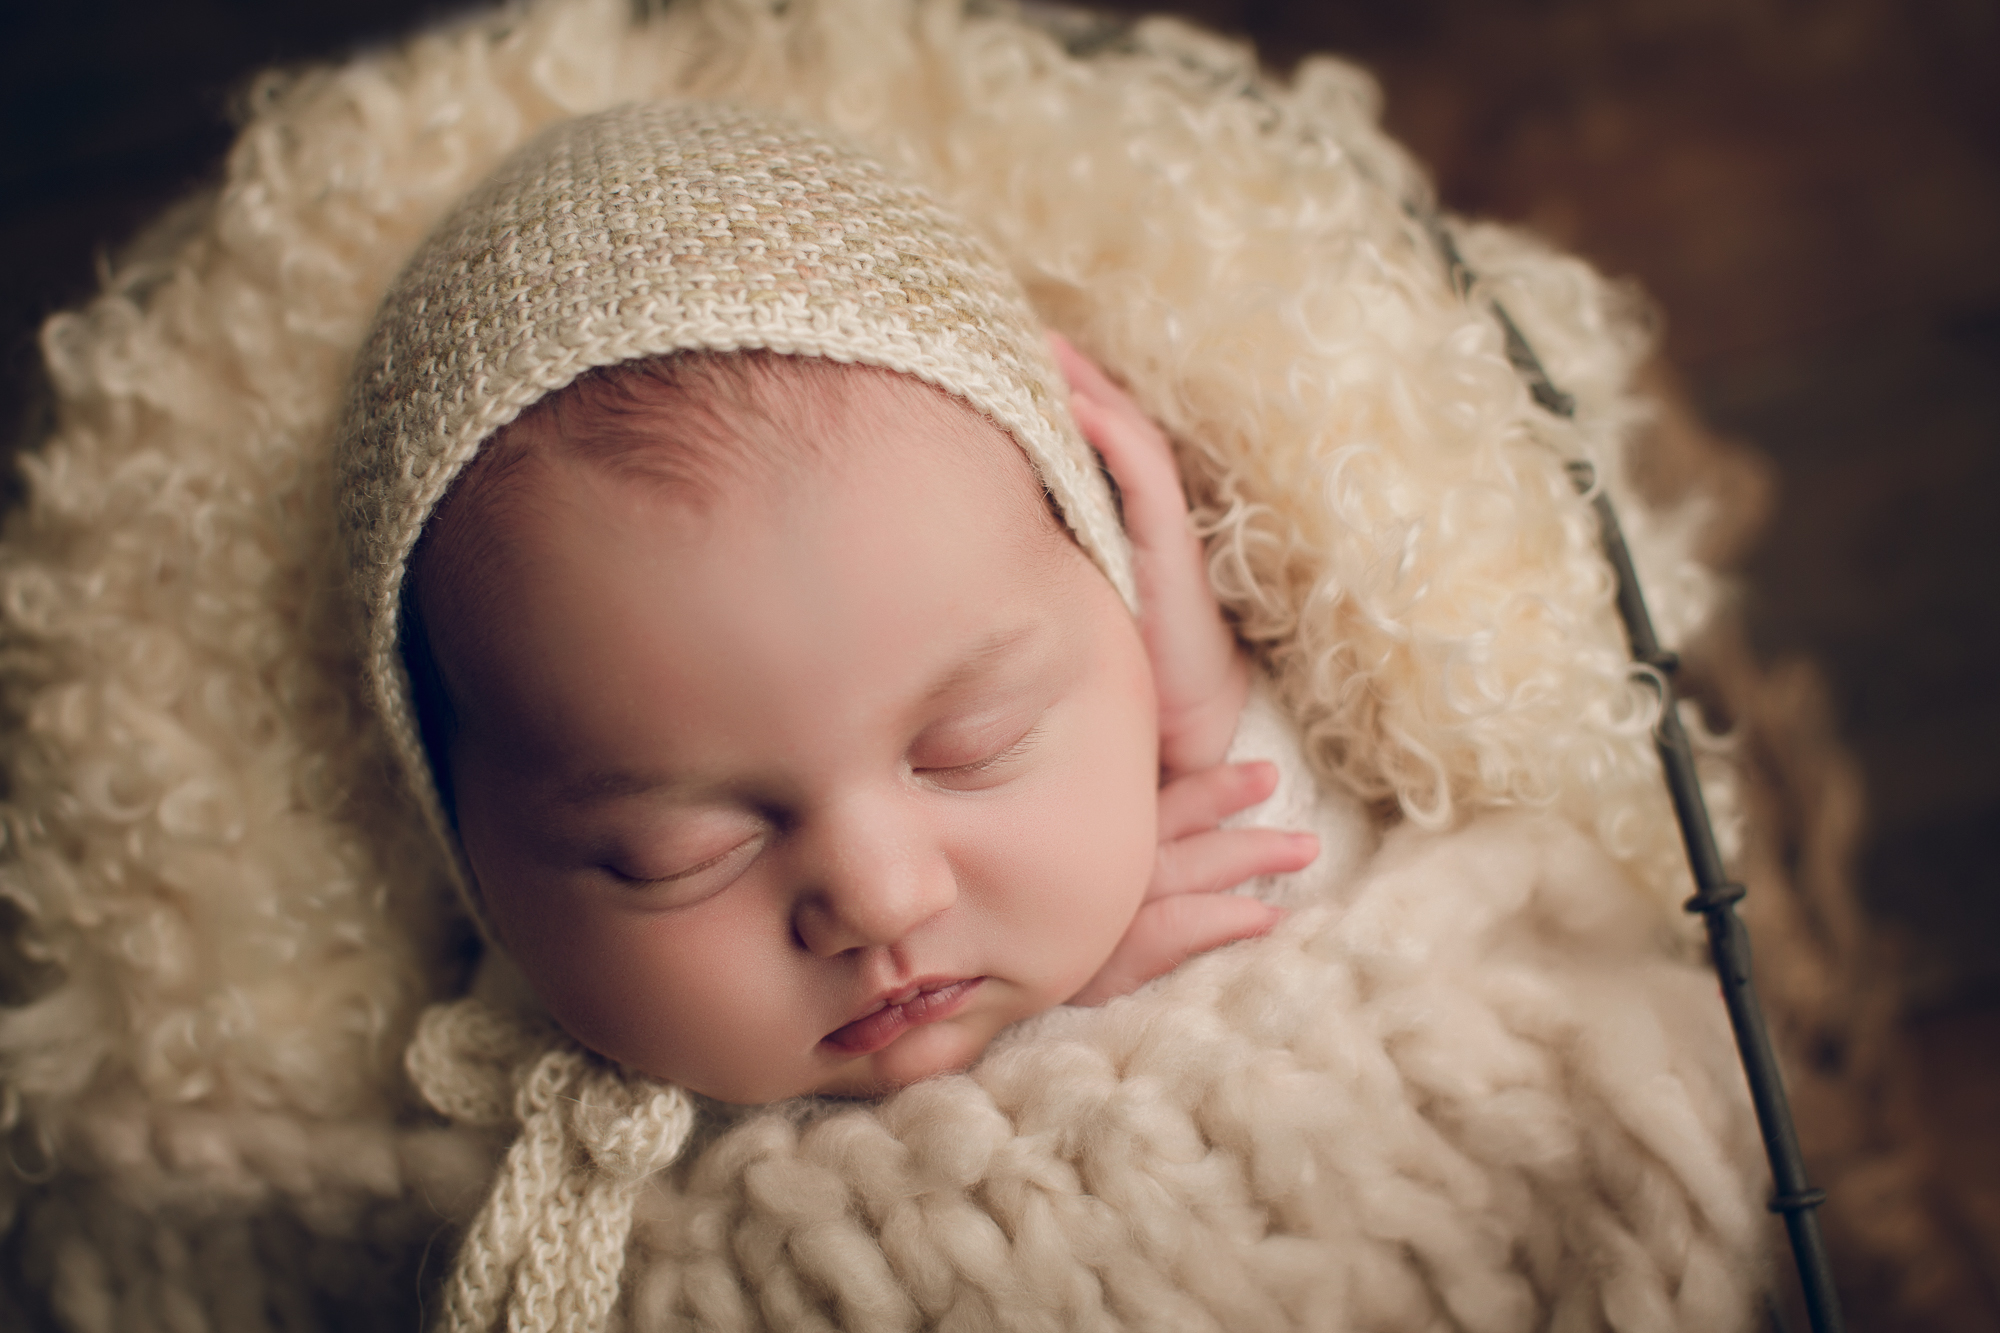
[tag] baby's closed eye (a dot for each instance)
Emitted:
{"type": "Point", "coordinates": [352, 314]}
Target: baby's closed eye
{"type": "Point", "coordinates": [691, 861]}
{"type": "Point", "coordinates": [986, 764]}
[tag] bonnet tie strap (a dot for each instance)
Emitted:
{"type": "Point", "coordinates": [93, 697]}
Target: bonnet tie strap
{"type": "Point", "coordinates": [548, 1246]}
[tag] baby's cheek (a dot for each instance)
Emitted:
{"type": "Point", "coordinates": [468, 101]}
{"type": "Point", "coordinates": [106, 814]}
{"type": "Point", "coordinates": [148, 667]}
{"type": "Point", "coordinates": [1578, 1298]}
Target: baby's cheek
{"type": "Point", "coordinates": [1113, 823]}
{"type": "Point", "coordinates": [1104, 822]}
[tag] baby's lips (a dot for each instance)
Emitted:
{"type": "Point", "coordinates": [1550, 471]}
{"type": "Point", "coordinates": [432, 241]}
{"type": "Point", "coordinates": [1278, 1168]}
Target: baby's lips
{"type": "Point", "coordinates": [879, 1027]}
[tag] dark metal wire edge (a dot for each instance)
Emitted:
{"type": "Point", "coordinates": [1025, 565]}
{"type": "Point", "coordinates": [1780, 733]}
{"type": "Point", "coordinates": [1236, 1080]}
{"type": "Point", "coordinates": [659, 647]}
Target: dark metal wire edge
{"type": "Point", "coordinates": [1715, 897]}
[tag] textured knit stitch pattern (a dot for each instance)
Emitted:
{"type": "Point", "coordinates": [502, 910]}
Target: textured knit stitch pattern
{"type": "Point", "coordinates": [663, 228]}
{"type": "Point", "coordinates": [1459, 1079]}
{"type": "Point", "coordinates": [548, 1247]}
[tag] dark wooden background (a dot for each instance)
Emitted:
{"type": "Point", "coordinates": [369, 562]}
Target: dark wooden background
{"type": "Point", "coordinates": [1810, 192]}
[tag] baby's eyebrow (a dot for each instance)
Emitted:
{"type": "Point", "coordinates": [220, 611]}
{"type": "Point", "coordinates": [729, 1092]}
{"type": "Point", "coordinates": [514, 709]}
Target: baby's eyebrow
{"type": "Point", "coordinates": [983, 658]}
{"type": "Point", "coordinates": [613, 784]}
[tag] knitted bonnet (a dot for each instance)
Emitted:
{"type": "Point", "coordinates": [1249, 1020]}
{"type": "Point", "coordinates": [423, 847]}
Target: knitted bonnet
{"type": "Point", "coordinates": [661, 228]}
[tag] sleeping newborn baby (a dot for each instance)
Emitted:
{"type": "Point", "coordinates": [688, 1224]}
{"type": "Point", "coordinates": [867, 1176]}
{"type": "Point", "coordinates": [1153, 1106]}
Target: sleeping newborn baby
{"type": "Point", "coordinates": [794, 743]}
{"type": "Point", "coordinates": [750, 616]}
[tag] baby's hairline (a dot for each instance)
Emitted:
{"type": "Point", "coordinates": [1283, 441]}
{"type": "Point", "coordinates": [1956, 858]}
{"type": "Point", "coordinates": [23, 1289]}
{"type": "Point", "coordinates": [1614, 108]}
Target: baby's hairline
{"type": "Point", "coordinates": [700, 421]}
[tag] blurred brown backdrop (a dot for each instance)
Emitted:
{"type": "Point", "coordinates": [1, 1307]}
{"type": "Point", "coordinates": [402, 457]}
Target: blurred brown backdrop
{"type": "Point", "coordinates": [1811, 195]}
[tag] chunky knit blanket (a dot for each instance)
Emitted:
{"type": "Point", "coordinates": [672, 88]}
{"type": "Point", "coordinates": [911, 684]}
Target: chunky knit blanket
{"type": "Point", "coordinates": [1475, 1083]}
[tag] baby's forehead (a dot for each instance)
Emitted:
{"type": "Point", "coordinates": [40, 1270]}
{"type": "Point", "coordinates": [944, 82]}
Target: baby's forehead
{"type": "Point", "coordinates": [722, 432]}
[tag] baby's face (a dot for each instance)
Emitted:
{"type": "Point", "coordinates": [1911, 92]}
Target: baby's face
{"type": "Point", "coordinates": [814, 787]}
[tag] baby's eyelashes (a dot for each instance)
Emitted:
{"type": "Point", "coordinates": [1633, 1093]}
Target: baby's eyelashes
{"type": "Point", "coordinates": [664, 880]}
{"type": "Point", "coordinates": [987, 770]}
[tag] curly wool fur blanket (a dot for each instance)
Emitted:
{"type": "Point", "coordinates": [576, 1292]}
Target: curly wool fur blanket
{"type": "Point", "coordinates": [1481, 1090]}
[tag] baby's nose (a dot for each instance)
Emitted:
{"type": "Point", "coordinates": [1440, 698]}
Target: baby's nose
{"type": "Point", "coordinates": [870, 879]}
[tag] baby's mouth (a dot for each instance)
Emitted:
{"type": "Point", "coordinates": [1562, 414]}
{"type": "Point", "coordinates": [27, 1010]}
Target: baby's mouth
{"type": "Point", "coordinates": [933, 1000]}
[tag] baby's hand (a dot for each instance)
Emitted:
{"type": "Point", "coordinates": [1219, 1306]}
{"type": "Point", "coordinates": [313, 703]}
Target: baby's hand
{"type": "Point", "coordinates": [1186, 911]}
{"type": "Point", "coordinates": [1202, 678]}
{"type": "Point", "coordinates": [1199, 670]}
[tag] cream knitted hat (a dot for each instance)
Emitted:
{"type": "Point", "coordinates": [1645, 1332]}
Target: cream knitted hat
{"type": "Point", "coordinates": [661, 228]}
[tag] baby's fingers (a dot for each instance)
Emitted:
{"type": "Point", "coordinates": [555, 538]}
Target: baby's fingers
{"type": "Point", "coordinates": [1168, 932]}
{"type": "Point", "coordinates": [1140, 459]}
{"type": "Point", "coordinates": [1201, 676]}
{"type": "Point", "coordinates": [1208, 863]}
{"type": "Point", "coordinates": [1203, 799]}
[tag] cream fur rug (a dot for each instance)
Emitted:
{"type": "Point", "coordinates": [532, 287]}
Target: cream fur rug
{"type": "Point", "coordinates": [1482, 1090]}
